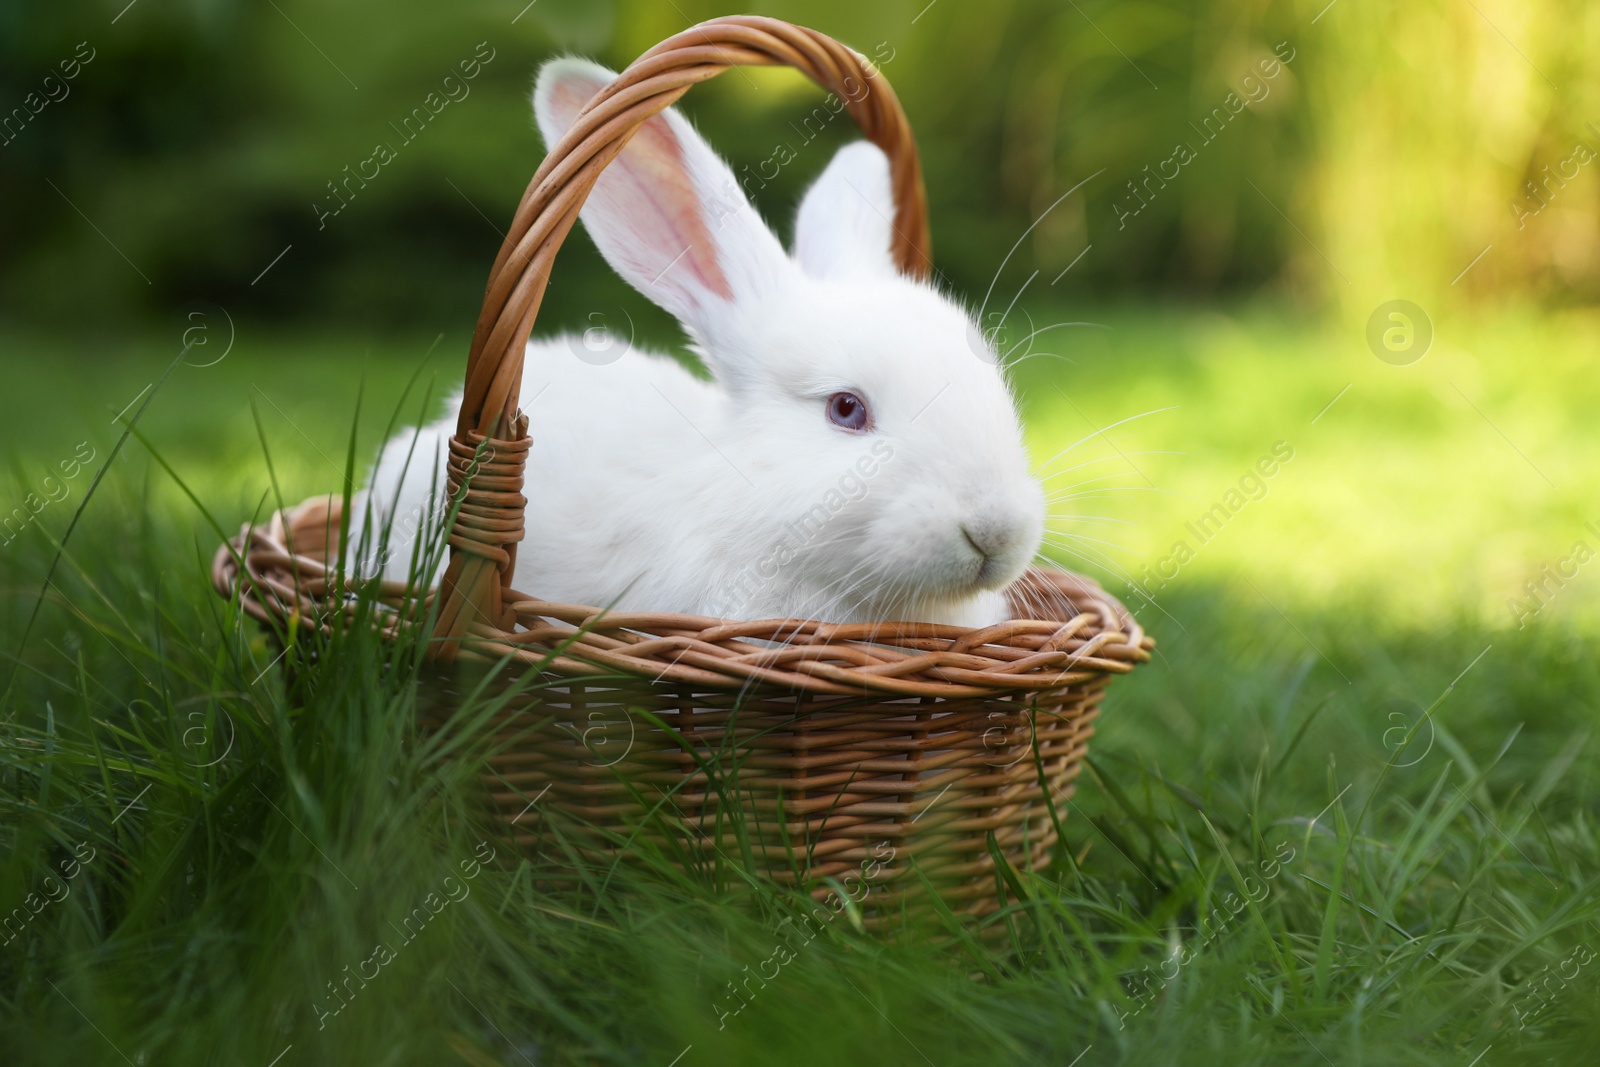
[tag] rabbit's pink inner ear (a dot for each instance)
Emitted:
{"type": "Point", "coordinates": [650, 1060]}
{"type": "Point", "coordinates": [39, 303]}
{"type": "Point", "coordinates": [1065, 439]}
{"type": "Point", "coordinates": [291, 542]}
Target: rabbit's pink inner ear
{"type": "Point", "coordinates": [568, 94]}
{"type": "Point", "coordinates": [652, 181]}
{"type": "Point", "coordinates": [664, 213]}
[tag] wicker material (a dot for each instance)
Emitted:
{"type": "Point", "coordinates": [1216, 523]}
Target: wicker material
{"type": "Point", "coordinates": [838, 743]}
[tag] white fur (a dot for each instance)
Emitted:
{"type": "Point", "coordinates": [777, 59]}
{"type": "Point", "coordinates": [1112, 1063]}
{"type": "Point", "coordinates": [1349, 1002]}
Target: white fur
{"type": "Point", "coordinates": [650, 489]}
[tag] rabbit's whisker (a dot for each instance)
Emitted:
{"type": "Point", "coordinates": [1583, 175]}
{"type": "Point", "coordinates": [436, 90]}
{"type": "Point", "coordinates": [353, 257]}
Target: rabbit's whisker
{"type": "Point", "coordinates": [1090, 518]}
{"type": "Point", "coordinates": [1051, 539]}
{"type": "Point", "coordinates": [1095, 557]}
{"type": "Point", "coordinates": [1047, 329]}
{"type": "Point", "coordinates": [1100, 432]}
{"type": "Point", "coordinates": [1055, 497]}
{"type": "Point", "coordinates": [1091, 481]}
{"type": "Point", "coordinates": [1040, 470]}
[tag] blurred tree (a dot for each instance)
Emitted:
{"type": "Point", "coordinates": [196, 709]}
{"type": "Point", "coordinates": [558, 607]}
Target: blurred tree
{"type": "Point", "coordinates": [1339, 156]}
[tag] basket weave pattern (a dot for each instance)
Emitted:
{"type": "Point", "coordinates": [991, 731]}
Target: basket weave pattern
{"type": "Point", "coordinates": [832, 739]}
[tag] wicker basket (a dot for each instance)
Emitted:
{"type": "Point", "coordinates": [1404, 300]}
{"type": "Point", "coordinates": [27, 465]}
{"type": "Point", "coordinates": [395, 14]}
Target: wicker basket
{"type": "Point", "coordinates": [903, 756]}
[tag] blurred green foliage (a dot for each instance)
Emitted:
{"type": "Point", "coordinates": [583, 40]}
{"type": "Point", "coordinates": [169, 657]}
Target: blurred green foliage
{"type": "Point", "coordinates": [1392, 145]}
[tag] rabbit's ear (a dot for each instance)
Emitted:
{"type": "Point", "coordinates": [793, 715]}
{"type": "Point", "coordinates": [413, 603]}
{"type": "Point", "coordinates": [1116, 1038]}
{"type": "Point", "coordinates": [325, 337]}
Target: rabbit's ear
{"type": "Point", "coordinates": [844, 223]}
{"type": "Point", "coordinates": [666, 213]}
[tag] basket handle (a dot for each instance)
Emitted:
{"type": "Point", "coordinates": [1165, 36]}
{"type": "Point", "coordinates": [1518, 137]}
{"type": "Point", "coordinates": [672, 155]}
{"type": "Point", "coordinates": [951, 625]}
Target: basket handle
{"type": "Point", "coordinates": [488, 451]}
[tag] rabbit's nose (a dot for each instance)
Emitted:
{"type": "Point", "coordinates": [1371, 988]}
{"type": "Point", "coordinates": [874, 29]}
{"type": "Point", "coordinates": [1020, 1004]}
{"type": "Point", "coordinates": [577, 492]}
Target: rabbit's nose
{"type": "Point", "coordinates": [991, 537]}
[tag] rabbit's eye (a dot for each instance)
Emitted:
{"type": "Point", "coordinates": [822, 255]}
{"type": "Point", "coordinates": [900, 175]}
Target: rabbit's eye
{"type": "Point", "coordinates": [849, 411]}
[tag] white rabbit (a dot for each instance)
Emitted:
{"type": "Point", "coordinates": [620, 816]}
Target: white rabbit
{"type": "Point", "coordinates": [858, 457]}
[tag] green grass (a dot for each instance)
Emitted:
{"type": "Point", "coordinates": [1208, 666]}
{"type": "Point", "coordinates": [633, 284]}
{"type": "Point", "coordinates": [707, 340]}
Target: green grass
{"type": "Point", "coordinates": [1418, 879]}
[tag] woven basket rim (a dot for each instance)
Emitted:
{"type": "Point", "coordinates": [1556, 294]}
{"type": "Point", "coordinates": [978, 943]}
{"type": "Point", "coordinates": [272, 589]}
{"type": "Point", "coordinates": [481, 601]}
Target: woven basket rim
{"type": "Point", "coordinates": [1074, 630]}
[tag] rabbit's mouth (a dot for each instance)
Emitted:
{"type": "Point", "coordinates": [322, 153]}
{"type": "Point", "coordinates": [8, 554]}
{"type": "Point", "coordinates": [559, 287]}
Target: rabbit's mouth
{"type": "Point", "coordinates": [992, 573]}
{"type": "Point", "coordinates": [989, 568]}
